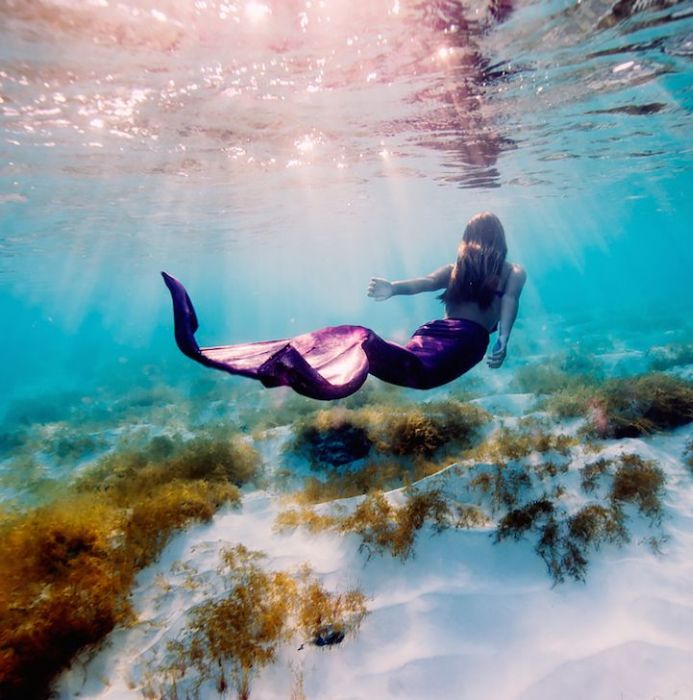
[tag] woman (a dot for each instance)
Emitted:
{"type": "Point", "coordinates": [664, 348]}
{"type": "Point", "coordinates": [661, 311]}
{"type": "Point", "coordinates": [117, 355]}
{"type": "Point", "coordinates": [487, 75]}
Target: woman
{"type": "Point", "coordinates": [481, 296]}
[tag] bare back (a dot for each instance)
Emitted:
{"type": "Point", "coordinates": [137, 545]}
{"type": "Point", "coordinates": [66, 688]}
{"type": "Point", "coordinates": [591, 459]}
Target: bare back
{"type": "Point", "coordinates": [489, 317]}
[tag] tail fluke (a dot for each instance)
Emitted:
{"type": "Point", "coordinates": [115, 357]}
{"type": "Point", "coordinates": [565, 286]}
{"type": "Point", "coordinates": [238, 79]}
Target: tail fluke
{"type": "Point", "coordinates": [184, 317]}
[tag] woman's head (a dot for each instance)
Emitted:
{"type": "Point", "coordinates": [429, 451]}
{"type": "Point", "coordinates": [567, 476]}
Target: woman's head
{"type": "Point", "coordinates": [480, 259]}
{"type": "Point", "coordinates": [486, 230]}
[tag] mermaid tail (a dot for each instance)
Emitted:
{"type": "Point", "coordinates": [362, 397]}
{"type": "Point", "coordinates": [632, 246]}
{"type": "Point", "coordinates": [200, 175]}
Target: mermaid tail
{"type": "Point", "coordinates": [333, 362]}
{"type": "Point", "coordinates": [326, 364]}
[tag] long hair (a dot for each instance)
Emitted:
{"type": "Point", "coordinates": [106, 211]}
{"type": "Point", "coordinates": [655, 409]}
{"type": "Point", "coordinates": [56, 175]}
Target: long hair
{"type": "Point", "coordinates": [477, 273]}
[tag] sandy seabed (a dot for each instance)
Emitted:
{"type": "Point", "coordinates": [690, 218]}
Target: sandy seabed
{"type": "Point", "coordinates": [464, 618]}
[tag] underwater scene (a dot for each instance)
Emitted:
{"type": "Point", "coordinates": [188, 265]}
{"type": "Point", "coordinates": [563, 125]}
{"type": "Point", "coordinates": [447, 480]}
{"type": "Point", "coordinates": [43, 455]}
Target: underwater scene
{"type": "Point", "coordinates": [498, 507]}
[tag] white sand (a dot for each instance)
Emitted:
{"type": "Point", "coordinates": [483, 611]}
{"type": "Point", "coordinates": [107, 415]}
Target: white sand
{"type": "Point", "coordinates": [465, 618]}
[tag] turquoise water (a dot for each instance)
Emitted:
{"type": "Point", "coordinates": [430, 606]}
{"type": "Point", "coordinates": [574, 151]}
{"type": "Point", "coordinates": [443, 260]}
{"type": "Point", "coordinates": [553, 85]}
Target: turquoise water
{"type": "Point", "coordinates": [275, 156]}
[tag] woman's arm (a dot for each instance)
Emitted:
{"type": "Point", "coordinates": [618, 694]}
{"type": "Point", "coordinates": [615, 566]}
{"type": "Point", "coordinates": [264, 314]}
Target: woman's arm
{"type": "Point", "coordinates": [510, 304]}
{"type": "Point", "coordinates": [380, 289]}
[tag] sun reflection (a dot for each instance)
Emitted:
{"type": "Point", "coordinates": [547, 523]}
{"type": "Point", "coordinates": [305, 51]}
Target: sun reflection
{"type": "Point", "coordinates": [257, 11]}
{"type": "Point", "coordinates": [305, 145]}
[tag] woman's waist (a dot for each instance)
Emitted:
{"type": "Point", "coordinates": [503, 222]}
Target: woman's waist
{"type": "Point", "coordinates": [453, 327]}
{"type": "Point", "coordinates": [467, 311]}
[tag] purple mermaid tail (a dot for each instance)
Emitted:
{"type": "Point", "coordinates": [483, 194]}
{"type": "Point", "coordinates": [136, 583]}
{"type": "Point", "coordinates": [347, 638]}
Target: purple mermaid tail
{"type": "Point", "coordinates": [333, 362]}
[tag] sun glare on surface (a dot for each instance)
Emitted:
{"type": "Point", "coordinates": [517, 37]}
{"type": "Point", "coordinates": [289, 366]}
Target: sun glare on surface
{"type": "Point", "coordinates": [257, 11]}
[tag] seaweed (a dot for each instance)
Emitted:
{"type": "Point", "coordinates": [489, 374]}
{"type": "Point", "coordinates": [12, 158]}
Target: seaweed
{"type": "Point", "coordinates": [675, 355]}
{"type": "Point", "coordinates": [520, 520]}
{"type": "Point", "coordinates": [688, 455]}
{"type": "Point", "coordinates": [371, 476]}
{"type": "Point", "coordinates": [595, 524]}
{"type": "Point", "coordinates": [559, 373]}
{"type": "Point", "coordinates": [424, 431]}
{"type": "Point", "coordinates": [340, 435]}
{"type": "Point", "coordinates": [68, 566]}
{"type": "Point", "coordinates": [564, 542]}
{"type": "Point", "coordinates": [640, 482]}
{"type": "Point", "coordinates": [386, 528]}
{"type": "Point", "coordinates": [382, 527]}
{"type": "Point", "coordinates": [501, 484]}
{"type": "Point", "coordinates": [570, 402]}
{"type": "Point", "coordinates": [592, 472]}
{"type": "Point", "coordinates": [69, 445]}
{"type": "Point", "coordinates": [470, 516]}
{"type": "Point", "coordinates": [218, 456]}
{"type": "Point", "coordinates": [641, 405]}
{"type": "Point", "coordinates": [548, 469]}
{"type": "Point", "coordinates": [335, 437]}
{"type": "Point", "coordinates": [506, 444]}
{"type": "Point", "coordinates": [230, 639]}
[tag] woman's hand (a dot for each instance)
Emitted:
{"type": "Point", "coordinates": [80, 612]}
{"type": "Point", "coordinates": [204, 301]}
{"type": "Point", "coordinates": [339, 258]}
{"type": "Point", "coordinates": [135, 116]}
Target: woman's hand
{"type": "Point", "coordinates": [495, 359]}
{"type": "Point", "coordinates": [380, 289]}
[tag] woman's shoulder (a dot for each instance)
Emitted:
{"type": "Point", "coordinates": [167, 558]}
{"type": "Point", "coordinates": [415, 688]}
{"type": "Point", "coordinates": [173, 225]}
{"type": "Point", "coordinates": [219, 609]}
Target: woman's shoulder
{"type": "Point", "coordinates": [516, 269]}
{"type": "Point", "coordinates": [516, 276]}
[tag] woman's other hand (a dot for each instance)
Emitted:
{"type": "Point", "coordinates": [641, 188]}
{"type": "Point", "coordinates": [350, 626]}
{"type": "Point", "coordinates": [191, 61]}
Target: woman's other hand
{"type": "Point", "coordinates": [380, 289]}
{"type": "Point", "coordinates": [495, 359]}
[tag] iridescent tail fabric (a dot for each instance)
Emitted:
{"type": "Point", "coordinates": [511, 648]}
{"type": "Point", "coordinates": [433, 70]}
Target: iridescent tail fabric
{"type": "Point", "coordinates": [333, 362]}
